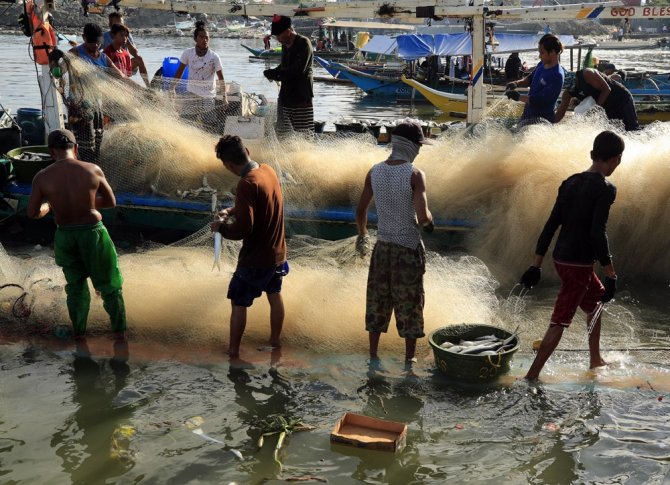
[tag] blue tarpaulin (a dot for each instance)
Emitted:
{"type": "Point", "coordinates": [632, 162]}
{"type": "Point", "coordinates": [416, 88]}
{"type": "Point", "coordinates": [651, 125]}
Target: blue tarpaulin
{"type": "Point", "coordinates": [423, 45]}
{"type": "Point", "coordinates": [381, 44]}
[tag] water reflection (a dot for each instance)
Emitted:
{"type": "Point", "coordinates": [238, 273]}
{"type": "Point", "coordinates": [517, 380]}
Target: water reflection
{"type": "Point", "coordinates": [562, 429]}
{"type": "Point", "coordinates": [261, 396]}
{"type": "Point", "coordinates": [395, 400]}
{"type": "Point", "coordinates": [92, 444]}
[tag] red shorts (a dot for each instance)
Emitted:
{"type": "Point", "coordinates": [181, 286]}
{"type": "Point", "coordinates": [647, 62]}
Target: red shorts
{"type": "Point", "coordinates": [580, 287]}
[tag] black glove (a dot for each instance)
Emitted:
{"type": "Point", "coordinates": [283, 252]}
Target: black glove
{"type": "Point", "coordinates": [610, 289]}
{"type": "Point", "coordinates": [429, 227]}
{"type": "Point", "coordinates": [363, 245]}
{"type": "Point", "coordinates": [511, 86]}
{"type": "Point", "coordinates": [270, 74]}
{"type": "Point", "coordinates": [531, 277]}
{"type": "Point", "coordinates": [513, 95]}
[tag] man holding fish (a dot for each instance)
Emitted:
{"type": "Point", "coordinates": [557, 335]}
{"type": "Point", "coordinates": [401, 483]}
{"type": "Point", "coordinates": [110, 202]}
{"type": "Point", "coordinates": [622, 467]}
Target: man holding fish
{"type": "Point", "coordinates": [257, 218]}
{"type": "Point", "coordinates": [581, 209]}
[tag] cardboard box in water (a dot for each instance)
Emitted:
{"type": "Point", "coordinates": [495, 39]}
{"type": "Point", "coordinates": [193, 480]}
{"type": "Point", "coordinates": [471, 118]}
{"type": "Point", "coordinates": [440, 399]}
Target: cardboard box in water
{"type": "Point", "coordinates": [370, 433]}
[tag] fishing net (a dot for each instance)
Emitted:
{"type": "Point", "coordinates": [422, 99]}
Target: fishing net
{"type": "Point", "coordinates": [159, 140]}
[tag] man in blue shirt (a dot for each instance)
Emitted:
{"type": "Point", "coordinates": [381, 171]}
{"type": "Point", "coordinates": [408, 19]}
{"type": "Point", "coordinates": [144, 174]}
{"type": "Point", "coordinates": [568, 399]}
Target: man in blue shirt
{"type": "Point", "coordinates": [545, 83]}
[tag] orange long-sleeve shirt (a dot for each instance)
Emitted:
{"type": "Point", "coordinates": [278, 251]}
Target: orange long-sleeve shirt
{"type": "Point", "coordinates": [259, 220]}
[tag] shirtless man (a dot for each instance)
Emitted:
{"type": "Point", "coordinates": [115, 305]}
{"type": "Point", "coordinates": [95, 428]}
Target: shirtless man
{"type": "Point", "coordinates": [74, 191]}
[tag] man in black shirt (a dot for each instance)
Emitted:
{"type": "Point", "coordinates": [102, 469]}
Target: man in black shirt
{"type": "Point", "coordinates": [294, 107]}
{"type": "Point", "coordinates": [581, 210]}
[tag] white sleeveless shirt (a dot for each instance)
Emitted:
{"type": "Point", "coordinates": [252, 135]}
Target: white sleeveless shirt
{"type": "Point", "coordinates": [394, 200]}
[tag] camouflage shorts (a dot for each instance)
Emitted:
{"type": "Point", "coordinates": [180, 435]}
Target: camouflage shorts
{"type": "Point", "coordinates": [395, 284]}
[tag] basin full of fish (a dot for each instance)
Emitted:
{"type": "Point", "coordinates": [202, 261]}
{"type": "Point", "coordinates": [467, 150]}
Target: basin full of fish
{"type": "Point", "coordinates": [34, 157]}
{"type": "Point", "coordinates": [484, 345]}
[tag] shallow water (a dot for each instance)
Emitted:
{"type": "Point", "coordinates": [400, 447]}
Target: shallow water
{"type": "Point", "coordinates": [62, 419]}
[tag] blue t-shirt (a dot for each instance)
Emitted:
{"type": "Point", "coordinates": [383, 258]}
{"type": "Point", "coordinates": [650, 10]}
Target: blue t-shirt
{"type": "Point", "coordinates": [545, 88]}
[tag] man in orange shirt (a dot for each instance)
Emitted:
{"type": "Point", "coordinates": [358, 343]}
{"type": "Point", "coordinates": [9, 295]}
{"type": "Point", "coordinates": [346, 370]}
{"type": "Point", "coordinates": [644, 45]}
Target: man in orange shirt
{"type": "Point", "coordinates": [257, 218]}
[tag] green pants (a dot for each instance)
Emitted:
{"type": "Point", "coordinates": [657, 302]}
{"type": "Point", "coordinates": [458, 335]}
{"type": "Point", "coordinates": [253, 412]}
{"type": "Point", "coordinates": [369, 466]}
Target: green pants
{"type": "Point", "coordinates": [85, 251]}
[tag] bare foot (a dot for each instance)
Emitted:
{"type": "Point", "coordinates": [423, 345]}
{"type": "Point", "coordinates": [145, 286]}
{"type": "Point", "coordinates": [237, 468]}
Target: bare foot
{"type": "Point", "coordinates": [598, 363]}
{"type": "Point", "coordinates": [233, 352]}
{"type": "Point", "coordinates": [81, 347]}
{"type": "Point", "coordinates": [275, 344]}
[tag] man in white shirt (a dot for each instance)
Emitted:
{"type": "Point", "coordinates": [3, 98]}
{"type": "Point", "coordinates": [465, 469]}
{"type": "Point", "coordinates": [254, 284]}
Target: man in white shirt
{"type": "Point", "coordinates": [204, 67]}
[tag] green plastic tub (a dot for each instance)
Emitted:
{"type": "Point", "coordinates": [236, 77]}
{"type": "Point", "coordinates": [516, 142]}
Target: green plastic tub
{"type": "Point", "coordinates": [25, 170]}
{"type": "Point", "coordinates": [471, 368]}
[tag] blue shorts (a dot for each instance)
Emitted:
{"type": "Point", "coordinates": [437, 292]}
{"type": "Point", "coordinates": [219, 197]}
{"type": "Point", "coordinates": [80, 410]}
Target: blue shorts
{"type": "Point", "coordinates": [248, 284]}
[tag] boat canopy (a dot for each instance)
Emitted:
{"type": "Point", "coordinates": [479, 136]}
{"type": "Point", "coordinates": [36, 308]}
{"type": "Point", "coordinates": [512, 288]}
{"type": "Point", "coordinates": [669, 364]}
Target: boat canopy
{"type": "Point", "coordinates": [424, 45]}
{"type": "Point", "coordinates": [381, 44]}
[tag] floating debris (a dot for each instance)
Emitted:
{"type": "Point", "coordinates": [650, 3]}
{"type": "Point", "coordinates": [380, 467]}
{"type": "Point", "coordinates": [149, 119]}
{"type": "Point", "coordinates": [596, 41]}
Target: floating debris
{"type": "Point", "coordinates": [278, 424]}
{"type": "Point", "coordinates": [194, 424]}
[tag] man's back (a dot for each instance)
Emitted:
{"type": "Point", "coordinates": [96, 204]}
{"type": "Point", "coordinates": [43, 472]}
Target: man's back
{"type": "Point", "coordinates": [70, 187]}
{"type": "Point", "coordinates": [259, 219]}
{"type": "Point", "coordinates": [581, 209]}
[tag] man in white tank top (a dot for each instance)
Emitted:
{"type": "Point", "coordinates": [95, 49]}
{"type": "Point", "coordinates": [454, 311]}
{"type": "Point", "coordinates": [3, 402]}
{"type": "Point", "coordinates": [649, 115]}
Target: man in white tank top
{"type": "Point", "coordinates": [397, 265]}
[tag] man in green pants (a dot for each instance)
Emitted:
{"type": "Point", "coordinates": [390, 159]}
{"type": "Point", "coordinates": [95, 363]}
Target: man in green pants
{"type": "Point", "coordinates": [75, 190]}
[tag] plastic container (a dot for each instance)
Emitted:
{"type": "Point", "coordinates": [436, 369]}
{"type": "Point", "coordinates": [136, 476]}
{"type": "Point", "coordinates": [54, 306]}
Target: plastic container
{"type": "Point", "coordinates": [470, 367]}
{"type": "Point", "coordinates": [10, 138]}
{"type": "Point", "coordinates": [25, 170]}
{"type": "Point", "coordinates": [170, 66]}
{"type": "Point", "coordinates": [31, 122]}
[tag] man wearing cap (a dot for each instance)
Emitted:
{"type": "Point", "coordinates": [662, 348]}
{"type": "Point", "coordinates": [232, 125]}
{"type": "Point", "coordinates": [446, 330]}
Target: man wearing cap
{"type": "Point", "coordinates": [397, 265]}
{"type": "Point", "coordinates": [611, 95]}
{"type": "Point", "coordinates": [614, 73]}
{"type": "Point", "coordinates": [74, 191]}
{"type": "Point", "coordinates": [294, 107]}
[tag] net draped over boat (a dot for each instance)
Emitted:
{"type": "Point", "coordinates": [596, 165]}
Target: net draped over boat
{"type": "Point", "coordinates": [159, 140]}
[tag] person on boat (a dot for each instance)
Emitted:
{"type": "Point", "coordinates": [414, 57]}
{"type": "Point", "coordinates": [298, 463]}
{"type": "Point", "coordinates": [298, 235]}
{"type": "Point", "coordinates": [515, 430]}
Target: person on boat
{"type": "Point", "coordinates": [116, 18]}
{"type": "Point", "coordinates": [609, 94]}
{"type": "Point", "coordinates": [398, 261]}
{"type": "Point", "coordinates": [513, 67]}
{"type": "Point", "coordinates": [85, 115]}
{"type": "Point", "coordinates": [581, 210]}
{"type": "Point", "coordinates": [545, 83]}
{"type": "Point", "coordinates": [116, 51]}
{"type": "Point", "coordinates": [204, 70]}
{"type": "Point", "coordinates": [266, 42]}
{"type": "Point", "coordinates": [74, 191]}
{"type": "Point", "coordinates": [614, 73]}
{"type": "Point", "coordinates": [257, 218]}
{"type": "Point", "coordinates": [295, 112]}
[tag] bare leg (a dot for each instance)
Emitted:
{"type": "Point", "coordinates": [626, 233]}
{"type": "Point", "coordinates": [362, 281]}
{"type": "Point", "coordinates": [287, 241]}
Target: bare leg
{"type": "Point", "coordinates": [276, 318]}
{"type": "Point", "coordinates": [410, 349]}
{"type": "Point", "coordinates": [594, 343]}
{"type": "Point", "coordinates": [547, 347]}
{"type": "Point", "coordinates": [374, 344]}
{"type": "Point", "coordinates": [238, 322]}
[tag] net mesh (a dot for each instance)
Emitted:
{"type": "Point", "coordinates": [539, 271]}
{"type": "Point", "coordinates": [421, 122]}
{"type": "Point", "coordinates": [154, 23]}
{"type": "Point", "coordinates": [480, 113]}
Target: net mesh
{"type": "Point", "coordinates": [159, 140]}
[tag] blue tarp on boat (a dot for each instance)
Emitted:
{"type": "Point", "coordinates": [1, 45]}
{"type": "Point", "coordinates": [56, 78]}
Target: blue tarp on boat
{"type": "Point", "coordinates": [425, 45]}
{"type": "Point", "coordinates": [381, 44]}
{"type": "Point", "coordinates": [415, 46]}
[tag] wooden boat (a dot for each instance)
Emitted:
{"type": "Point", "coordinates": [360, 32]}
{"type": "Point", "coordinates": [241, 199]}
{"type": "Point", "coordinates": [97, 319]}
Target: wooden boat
{"type": "Point", "coordinates": [456, 105]}
{"type": "Point", "coordinates": [275, 53]}
{"type": "Point", "coordinates": [155, 215]}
